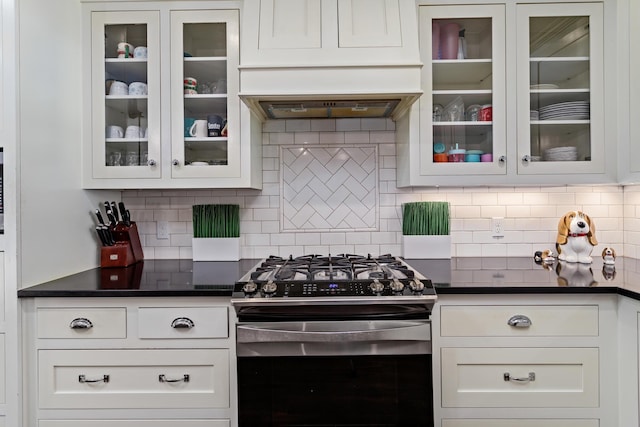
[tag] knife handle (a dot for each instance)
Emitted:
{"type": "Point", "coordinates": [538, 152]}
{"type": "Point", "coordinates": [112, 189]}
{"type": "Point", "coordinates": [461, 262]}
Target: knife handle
{"type": "Point", "coordinates": [114, 209]}
{"type": "Point", "coordinates": [99, 215]}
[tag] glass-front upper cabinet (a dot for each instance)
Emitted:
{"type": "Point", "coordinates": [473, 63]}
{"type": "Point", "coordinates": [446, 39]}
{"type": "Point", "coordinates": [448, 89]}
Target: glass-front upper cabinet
{"type": "Point", "coordinates": [463, 111]}
{"type": "Point", "coordinates": [560, 88]}
{"type": "Point", "coordinates": [125, 79]}
{"type": "Point", "coordinates": [204, 84]}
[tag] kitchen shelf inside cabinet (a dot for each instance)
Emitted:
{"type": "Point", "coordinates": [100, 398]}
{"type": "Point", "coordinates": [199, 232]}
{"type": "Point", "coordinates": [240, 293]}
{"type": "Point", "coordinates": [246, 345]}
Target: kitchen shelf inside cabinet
{"type": "Point", "coordinates": [126, 70]}
{"type": "Point", "coordinates": [469, 97]}
{"type": "Point", "coordinates": [566, 73]}
{"type": "Point", "coordinates": [205, 104]}
{"type": "Point", "coordinates": [208, 68]}
{"type": "Point", "coordinates": [466, 74]}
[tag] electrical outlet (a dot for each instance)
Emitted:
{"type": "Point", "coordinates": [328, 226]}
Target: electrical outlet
{"type": "Point", "coordinates": [163, 229]}
{"type": "Point", "coordinates": [497, 227]}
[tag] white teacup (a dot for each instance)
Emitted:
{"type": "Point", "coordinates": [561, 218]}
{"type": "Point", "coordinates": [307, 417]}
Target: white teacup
{"type": "Point", "coordinates": [133, 132]}
{"type": "Point", "coordinates": [119, 88]}
{"type": "Point", "coordinates": [199, 129]}
{"type": "Point", "coordinates": [138, 88]}
{"type": "Point", "coordinates": [140, 52]}
{"type": "Point", "coordinates": [114, 131]}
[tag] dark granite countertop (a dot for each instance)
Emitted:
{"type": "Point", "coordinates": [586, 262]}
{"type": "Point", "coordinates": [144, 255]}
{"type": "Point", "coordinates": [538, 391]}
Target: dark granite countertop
{"type": "Point", "coordinates": [497, 275]}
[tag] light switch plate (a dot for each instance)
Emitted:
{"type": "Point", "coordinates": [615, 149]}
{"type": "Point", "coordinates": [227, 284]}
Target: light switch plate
{"type": "Point", "coordinates": [163, 229]}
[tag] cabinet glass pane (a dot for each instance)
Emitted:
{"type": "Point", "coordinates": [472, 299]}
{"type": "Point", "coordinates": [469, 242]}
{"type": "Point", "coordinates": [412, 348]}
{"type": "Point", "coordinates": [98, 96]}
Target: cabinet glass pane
{"type": "Point", "coordinates": [462, 89]}
{"type": "Point", "coordinates": [205, 94]}
{"type": "Point", "coordinates": [559, 88]}
{"type": "Point", "coordinates": [126, 103]}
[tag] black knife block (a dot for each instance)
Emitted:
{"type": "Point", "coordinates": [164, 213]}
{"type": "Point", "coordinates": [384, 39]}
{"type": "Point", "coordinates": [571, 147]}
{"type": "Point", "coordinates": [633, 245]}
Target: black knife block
{"type": "Point", "coordinates": [126, 251]}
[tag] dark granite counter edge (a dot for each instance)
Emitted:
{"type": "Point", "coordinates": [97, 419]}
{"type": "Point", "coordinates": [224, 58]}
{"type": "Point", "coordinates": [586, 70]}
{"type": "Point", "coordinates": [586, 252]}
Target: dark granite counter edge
{"type": "Point", "coordinates": [27, 293]}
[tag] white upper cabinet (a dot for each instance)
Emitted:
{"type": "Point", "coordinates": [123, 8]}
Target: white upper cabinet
{"type": "Point", "coordinates": [629, 164]}
{"type": "Point", "coordinates": [560, 65]}
{"type": "Point", "coordinates": [508, 101]}
{"type": "Point", "coordinates": [328, 32]}
{"type": "Point", "coordinates": [164, 103]}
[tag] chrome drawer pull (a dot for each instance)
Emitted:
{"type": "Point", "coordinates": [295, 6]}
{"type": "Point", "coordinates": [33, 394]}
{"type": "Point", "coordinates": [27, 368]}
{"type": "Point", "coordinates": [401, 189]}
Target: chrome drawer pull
{"type": "Point", "coordinates": [519, 321]}
{"type": "Point", "coordinates": [532, 377]}
{"type": "Point", "coordinates": [83, 379]}
{"type": "Point", "coordinates": [163, 379]}
{"type": "Point", "coordinates": [81, 323]}
{"type": "Point", "coordinates": [182, 323]}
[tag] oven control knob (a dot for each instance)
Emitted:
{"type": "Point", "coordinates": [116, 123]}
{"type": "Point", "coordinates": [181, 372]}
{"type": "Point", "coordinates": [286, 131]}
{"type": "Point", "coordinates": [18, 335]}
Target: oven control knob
{"type": "Point", "coordinates": [269, 288]}
{"type": "Point", "coordinates": [376, 286]}
{"type": "Point", "coordinates": [396, 286]}
{"type": "Point", "coordinates": [416, 285]}
{"type": "Point", "coordinates": [249, 288]}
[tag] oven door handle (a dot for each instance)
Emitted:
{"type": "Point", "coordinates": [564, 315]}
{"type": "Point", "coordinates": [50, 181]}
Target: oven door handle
{"type": "Point", "coordinates": [334, 332]}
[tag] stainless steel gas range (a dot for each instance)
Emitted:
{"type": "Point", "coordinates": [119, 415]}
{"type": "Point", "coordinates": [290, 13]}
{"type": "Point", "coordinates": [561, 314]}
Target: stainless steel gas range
{"type": "Point", "coordinates": [346, 332]}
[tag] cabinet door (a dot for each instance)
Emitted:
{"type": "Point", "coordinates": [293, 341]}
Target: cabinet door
{"type": "Point", "coordinates": [560, 88]}
{"type": "Point", "coordinates": [125, 94]}
{"type": "Point", "coordinates": [462, 123]}
{"type": "Point", "coordinates": [205, 109]}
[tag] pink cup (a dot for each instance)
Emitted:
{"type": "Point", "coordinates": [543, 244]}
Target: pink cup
{"type": "Point", "coordinates": [449, 40]}
{"type": "Point", "coordinates": [486, 157]}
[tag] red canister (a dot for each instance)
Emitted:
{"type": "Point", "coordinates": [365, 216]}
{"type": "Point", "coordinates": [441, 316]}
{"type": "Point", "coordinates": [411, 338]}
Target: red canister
{"type": "Point", "coordinates": [486, 113]}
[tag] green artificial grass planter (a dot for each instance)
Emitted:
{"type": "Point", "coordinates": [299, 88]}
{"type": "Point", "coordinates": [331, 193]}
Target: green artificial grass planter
{"type": "Point", "coordinates": [425, 230]}
{"type": "Point", "coordinates": [216, 233]}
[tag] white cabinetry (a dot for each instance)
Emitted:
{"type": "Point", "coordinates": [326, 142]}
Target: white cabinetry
{"type": "Point", "coordinates": [500, 359]}
{"type": "Point", "coordinates": [539, 76]}
{"type": "Point", "coordinates": [108, 362]}
{"type": "Point", "coordinates": [141, 136]}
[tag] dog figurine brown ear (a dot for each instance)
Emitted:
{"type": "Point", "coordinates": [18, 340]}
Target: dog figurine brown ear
{"type": "Point", "coordinates": [576, 237]}
{"type": "Point", "coordinates": [608, 256]}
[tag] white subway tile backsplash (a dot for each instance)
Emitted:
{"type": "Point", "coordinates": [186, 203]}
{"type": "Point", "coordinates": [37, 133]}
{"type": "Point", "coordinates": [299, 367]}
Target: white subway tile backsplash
{"type": "Point", "coordinates": [371, 222]}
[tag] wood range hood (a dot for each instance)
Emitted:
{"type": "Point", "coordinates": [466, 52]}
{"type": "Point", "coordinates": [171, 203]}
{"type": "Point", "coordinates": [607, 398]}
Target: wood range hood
{"type": "Point", "coordinates": [329, 58]}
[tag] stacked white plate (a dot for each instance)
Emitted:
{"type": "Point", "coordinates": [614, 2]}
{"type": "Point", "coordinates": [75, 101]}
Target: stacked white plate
{"type": "Point", "coordinates": [560, 154]}
{"type": "Point", "coordinates": [534, 115]}
{"type": "Point", "coordinates": [575, 110]}
{"type": "Point", "coordinates": [544, 86]}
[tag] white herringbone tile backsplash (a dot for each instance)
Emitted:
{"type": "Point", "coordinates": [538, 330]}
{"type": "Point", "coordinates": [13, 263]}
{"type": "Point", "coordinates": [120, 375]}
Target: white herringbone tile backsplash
{"type": "Point", "coordinates": [329, 187]}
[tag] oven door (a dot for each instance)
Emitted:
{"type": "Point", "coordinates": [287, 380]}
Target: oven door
{"type": "Point", "coordinates": [335, 373]}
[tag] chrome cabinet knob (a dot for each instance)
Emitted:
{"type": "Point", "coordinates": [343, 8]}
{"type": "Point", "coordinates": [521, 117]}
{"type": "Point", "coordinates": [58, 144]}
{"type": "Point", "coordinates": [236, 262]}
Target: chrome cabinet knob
{"type": "Point", "coordinates": [526, 158]}
{"type": "Point", "coordinates": [175, 162]}
{"type": "Point", "coordinates": [151, 162]}
{"type": "Point", "coordinates": [502, 159]}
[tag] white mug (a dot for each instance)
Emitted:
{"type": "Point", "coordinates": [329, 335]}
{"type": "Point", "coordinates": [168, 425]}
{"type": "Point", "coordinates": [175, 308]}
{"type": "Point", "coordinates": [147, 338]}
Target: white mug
{"type": "Point", "coordinates": [125, 50]}
{"type": "Point", "coordinates": [118, 88]}
{"type": "Point", "coordinates": [133, 132]}
{"type": "Point", "coordinates": [140, 52]}
{"type": "Point", "coordinates": [114, 131]}
{"type": "Point", "coordinates": [199, 129]}
{"type": "Point", "coordinates": [138, 88]}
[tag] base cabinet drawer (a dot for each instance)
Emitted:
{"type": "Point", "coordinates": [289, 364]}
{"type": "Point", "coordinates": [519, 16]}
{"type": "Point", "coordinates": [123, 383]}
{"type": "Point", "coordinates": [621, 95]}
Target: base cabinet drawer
{"type": "Point", "coordinates": [519, 320]}
{"type": "Point", "coordinates": [520, 377]}
{"type": "Point", "coordinates": [133, 423]}
{"type": "Point", "coordinates": [183, 322]}
{"type": "Point", "coordinates": [85, 379]}
{"type": "Point", "coordinates": [519, 423]}
{"type": "Point", "coordinates": [79, 322]}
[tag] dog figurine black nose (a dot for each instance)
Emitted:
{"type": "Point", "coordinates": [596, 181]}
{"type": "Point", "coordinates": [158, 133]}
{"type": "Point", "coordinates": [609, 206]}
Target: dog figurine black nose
{"type": "Point", "coordinates": [581, 224]}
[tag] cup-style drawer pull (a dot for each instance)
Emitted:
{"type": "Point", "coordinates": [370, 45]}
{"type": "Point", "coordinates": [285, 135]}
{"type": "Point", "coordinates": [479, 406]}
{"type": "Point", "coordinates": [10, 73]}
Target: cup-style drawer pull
{"type": "Point", "coordinates": [532, 377]}
{"type": "Point", "coordinates": [163, 379]}
{"type": "Point", "coordinates": [83, 379]}
{"type": "Point", "coordinates": [182, 323]}
{"type": "Point", "coordinates": [81, 323]}
{"type": "Point", "coordinates": [519, 321]}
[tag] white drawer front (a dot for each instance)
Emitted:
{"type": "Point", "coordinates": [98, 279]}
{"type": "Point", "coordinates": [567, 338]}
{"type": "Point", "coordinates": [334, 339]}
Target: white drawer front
{"type": "Point", "coordinates": [133, 378]}
{"type": "Point", "coordinates": [475, 377]}
{"type": "Point", "coordinates": [492, 320]}
{"type": "Point", "coordinates": [519, 423]}
{"type": "Point", "coordinates": [175, 322]}
{"type": "Point", "coordinates": [133, 423]}
{"type": "Point", "coordinates": [105, 322]}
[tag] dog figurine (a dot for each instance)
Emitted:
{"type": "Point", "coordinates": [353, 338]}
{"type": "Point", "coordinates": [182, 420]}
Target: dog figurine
{"type": "Point", "coordinates": [575, 274]}
{"type": "Point", "coordinates": [608, 256]}
{"type": "Point", "coordinates": [576, 238]}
